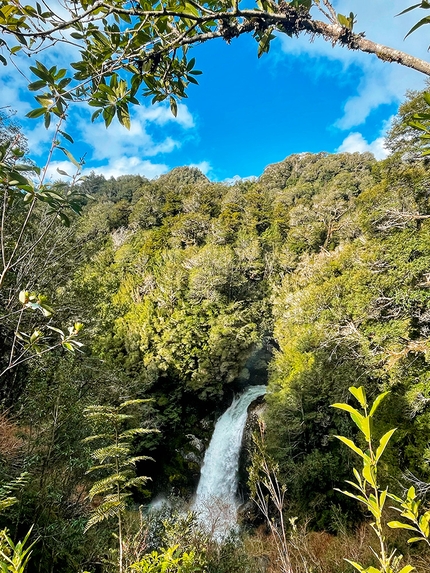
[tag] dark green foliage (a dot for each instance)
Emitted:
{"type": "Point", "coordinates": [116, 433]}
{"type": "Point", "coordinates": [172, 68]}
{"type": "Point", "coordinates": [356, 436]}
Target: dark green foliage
{"type": "Point", "coordinates": [357, 312]}
{"type": "Point", "coordinates": [180, 300]}
{"type": "Point", "coordinates": [315, 277]}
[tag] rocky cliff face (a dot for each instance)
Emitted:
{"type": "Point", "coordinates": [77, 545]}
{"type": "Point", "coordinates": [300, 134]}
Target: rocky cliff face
{"type": "Point", "coordinates": [253, 423]}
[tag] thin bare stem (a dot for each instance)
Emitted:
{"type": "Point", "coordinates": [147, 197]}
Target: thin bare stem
{"type": "Point", "coordinates": [3, 222]}
{"type": "Point", "coordinates": [8, 265]}
{"type": "Point", "coordinates": [12, 350]}
{"type": "Point", "coordinates": [27, 358]}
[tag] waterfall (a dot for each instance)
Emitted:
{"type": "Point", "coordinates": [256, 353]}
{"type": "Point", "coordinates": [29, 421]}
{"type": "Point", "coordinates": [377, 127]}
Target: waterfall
{"type": "Point", "coordinates": [215, 502]}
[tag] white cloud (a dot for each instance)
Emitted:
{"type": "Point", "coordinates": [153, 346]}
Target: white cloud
{"type": "Point", "coordinates": [126, 165]}
{"type": "Point", "coordinates": [154, 129]}
{"type": "Point", "coordinates": [11, 84]}
{"type": "Point", "coordinates": [37, 136]}
{"type": "Point", "coordinates": [356, 142]}
{"type": "Point", "coordinates": [118, 142]}
{"type": "Point", "coordinates": [377, 82]}
{"type": "Point", "coordinates": [161, 114]}
{"type": "Point", "coordinates": [65, 166]}
{"type": "Point", "coordinates": [237, 178]}
{"type": "Point", "coordinates": [114, 168]}
{"type": "Point", "coordinates": [204, 166]}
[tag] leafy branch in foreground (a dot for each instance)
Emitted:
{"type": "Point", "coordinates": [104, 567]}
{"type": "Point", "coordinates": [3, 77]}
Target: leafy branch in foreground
{"type": "Point", "coordinates": [170, 560]}
{"type": "Point", "coordinates": [421, 123]}
{"type": "Point", "coordinates": [127, 47]}
{"type": "Point", "coordinates": [14, 557]}
{"type": "Point", "coordinates": [22, 192]}
{"type": "Point", "coordinates": [409, 509]}
{"type": "Point", "coordinates": [38, 343]}
{"type": "Point", "coordinates": [424, 5]}
{"type": "Point", "coordinates": [369, 493]}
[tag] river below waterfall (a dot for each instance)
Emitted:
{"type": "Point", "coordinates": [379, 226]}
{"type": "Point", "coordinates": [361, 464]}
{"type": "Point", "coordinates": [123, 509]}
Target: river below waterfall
{"type": "Point", "coordinates": [216, 502]}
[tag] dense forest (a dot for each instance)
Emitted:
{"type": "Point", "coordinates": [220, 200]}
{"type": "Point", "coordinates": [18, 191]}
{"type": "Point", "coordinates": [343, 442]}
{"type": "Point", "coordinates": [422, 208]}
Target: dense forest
{"type": "Point", "coordinates": [313, 278]}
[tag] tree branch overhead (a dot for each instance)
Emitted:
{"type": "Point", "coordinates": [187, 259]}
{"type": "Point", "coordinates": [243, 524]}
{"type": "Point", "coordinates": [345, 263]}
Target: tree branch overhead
{"type": "Point", "coordinates": [150, 41]}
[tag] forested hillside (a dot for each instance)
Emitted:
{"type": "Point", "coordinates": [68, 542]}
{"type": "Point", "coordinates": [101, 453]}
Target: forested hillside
{"type": "Point", "coordinates": [313, 278]}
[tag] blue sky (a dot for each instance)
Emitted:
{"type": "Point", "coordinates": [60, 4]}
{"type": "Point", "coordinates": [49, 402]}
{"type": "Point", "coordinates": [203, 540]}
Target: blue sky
{"type": "Point", "coordinates": [248, 112]}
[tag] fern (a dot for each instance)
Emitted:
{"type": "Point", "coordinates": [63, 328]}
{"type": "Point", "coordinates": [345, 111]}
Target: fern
{"type": "Point", "coordinates": [115, 457]}
{"type": "Point", "coordinates": [108, 509]}
{"type": "Point", "coordinates": [113, 451]}
{"type": "Point", "coordinates": [103, 486]}
{"type": "Point", "coordinates": [6, 499]}
{"type": "Point", "coordinates": [134, 432]}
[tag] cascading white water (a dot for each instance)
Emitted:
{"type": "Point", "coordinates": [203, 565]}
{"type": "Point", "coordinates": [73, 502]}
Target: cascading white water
{"type": "Point", "coordinates": [215, 502]}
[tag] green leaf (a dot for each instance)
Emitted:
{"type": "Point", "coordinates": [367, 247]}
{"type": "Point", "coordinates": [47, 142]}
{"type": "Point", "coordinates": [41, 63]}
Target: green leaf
{"type": "Point", "coordinates": [346, 407]}
{"type": "Point", "coordinates": [383, 443]}
{"type": "Point", "coordinates": [353, 447]}
{"type": "Point", "coordinates": [382, 498]}
{"type": "Point", "coordinates": [104, 511]}
{"type": "Point", "coordinates": [36, 112]}
{"type": "Point", "coordinates": [60, 332]}
{"type": "Point", "coordinates": [34, 86]}
{"type": "Point", "coordinates": [349, 494]}
{"type": "Point", "coordinates": [424, 524]}
{"type": "Point", "coordinates": [409, 9]}
{"type": "Point", "coordinates": [66, 136]}
{"type": "Point", "coordinates": [357, 476]}
{"type": "Point", "coordinates": [343, 21]}
{"type": "Point", "coordinates": [369, 474]}
{"type": "Point", "coordinates": [134, 402]}
{"type": "Point", "coordinates": [417, 125]}
{"type": "Point", "coordinates": [136, 459]}
{"type": "Point", "coordinates": [356, 485]}
{"type": "Point", "coordinates": [264, 44]}
{"type": "Point", "coordinates": [70, 156]}
{"type": "Point", "coordinates": [422, 22]}
{"type": "Point", "coordinates": [358, 419]}
{"type": "Point", "coordinates": [377, 402]}
{"type": "Point", "coordinates": [173, 106]}
{"type": "Point", "coordinates": [400, 525]}
{"type": "Point", "coordinates": [64, 219]}
{"type": "Point", "coordinates": [108, 115]}
{"type": "Point", "coordinates": [359, 394]}
{"type": "Point", "coordinates": [123, 116]}
{"type": "Point", "coordinates": [395, 498]}
{"type": "Point", "coordinates": [355, 565]}
{"type": "Point", "coordinates": [190, 64]}
{"type": "Point", "coordinates": [41, 72]}
{"type": "Point", "coordinates": [406, 569]}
